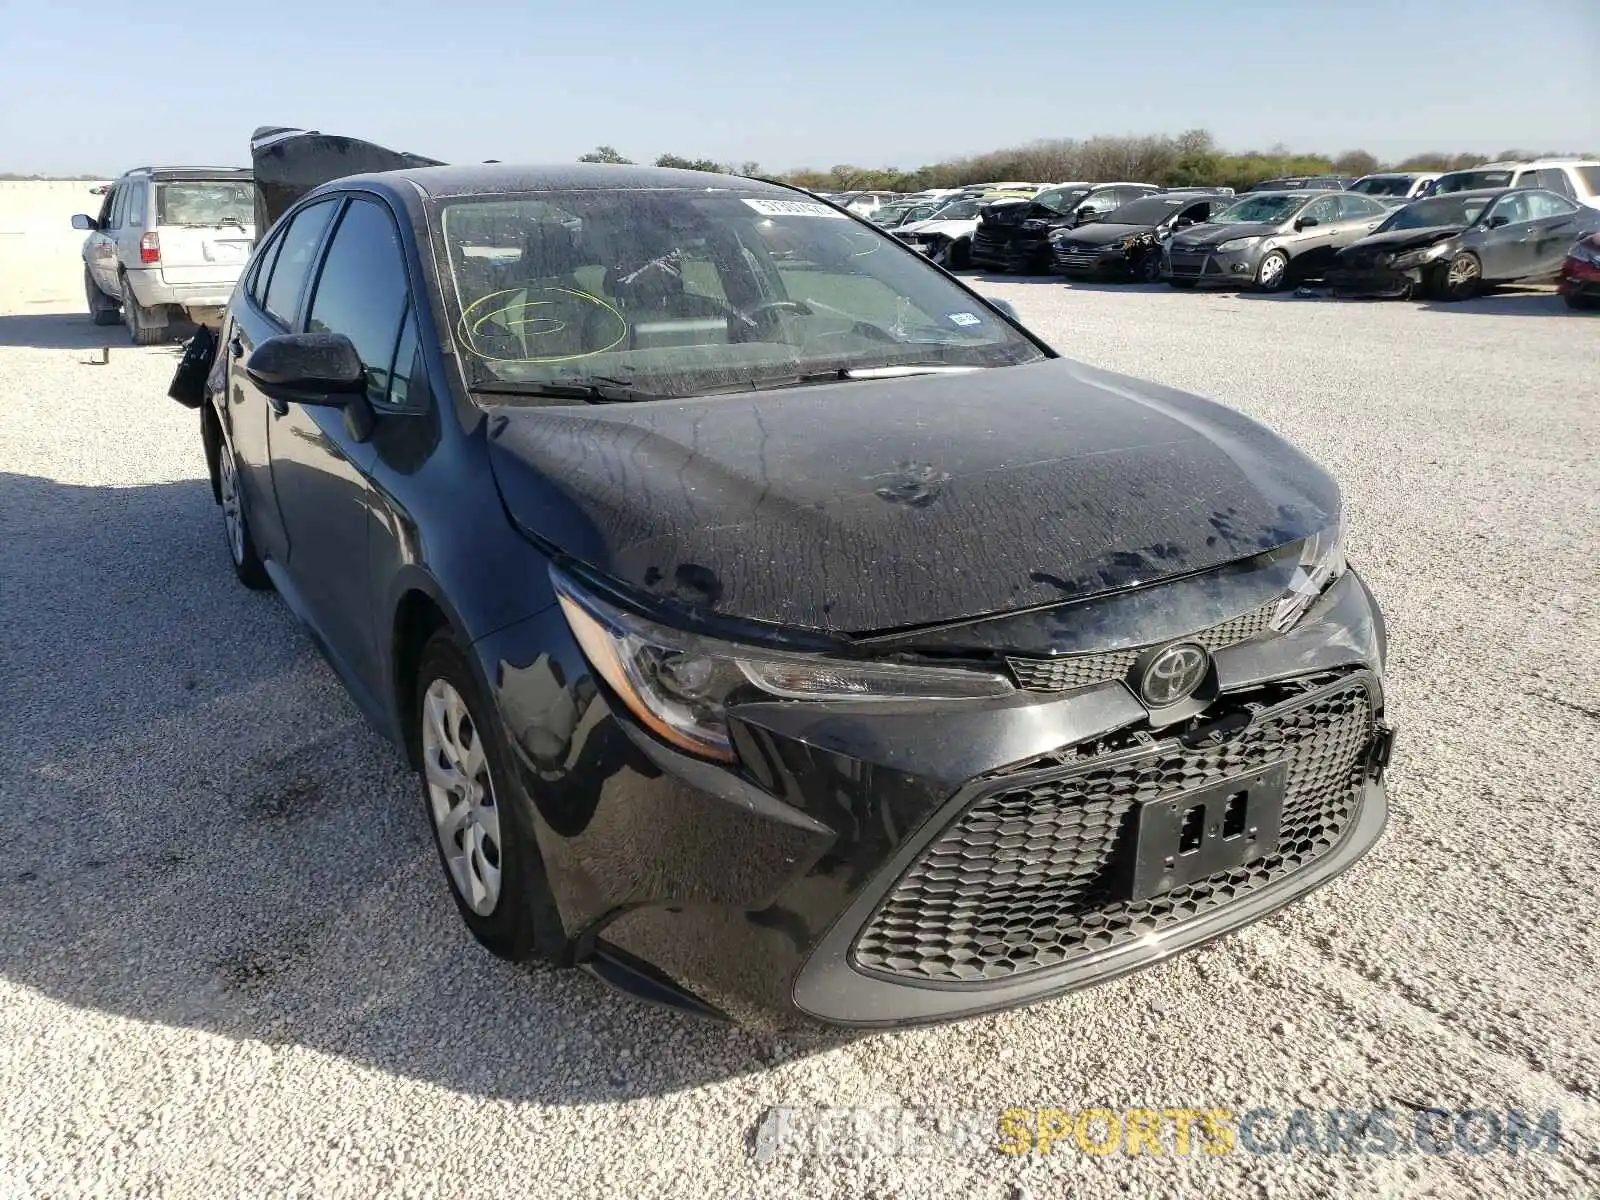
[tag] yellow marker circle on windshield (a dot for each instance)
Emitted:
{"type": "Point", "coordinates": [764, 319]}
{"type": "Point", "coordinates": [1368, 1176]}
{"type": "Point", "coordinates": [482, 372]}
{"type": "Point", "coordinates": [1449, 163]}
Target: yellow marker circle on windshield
{"type": "Point", "coordinates": [532, 313]}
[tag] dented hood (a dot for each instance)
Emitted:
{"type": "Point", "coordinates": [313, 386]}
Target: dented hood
{"type": "Point", "coordinates": [1395, 240]}
{"type": "Point", "coordinates": [878, 505]}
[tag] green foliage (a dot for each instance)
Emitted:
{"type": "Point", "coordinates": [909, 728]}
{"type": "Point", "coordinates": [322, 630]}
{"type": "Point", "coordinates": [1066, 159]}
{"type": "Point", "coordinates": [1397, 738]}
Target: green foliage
{"type": "Point", "coordinates": [690, 164]}
{"type": "Point", "coordinates": [604, 154]}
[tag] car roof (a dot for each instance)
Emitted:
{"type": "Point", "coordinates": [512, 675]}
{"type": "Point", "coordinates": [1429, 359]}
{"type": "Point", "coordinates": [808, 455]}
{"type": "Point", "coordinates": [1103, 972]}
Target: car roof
{"type": "Point", "coordinates": [1523, 163]}
{"type": "Point", "coordinates": [242, 174]}
{"type": "Point", "coordinates": [491, 178]}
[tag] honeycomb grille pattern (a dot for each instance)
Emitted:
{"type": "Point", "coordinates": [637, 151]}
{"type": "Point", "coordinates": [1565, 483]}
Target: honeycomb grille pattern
{"type": "Point", "coordinates": [1023, 879]}
{"type": "Point", "coordinates": [1083, 670]}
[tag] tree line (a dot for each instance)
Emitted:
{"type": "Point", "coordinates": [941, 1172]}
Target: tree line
{"type": "Point", "coordinates": [1188, 158]}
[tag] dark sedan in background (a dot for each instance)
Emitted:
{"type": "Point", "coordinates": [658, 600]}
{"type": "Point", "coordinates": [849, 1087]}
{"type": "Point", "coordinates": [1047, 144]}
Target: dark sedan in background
{"type": "Point", "coordinates": [776, 628]}
{"type": "Point", "coordinates": [1127, 244]}
{"type": "Point", "coordinates": [1269, 240]}
{"type": "Point", "coordinates": [1017, 238]}
{"type": "Point", "coordinates": [1453, 245]}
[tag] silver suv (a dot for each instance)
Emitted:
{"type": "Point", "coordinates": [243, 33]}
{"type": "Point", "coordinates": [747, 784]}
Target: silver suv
{"type": "Point", "coordinates": [168, 244]}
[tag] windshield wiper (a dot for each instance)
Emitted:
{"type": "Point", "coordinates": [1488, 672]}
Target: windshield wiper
{"type": "Point", "coordinates": [596, 390]}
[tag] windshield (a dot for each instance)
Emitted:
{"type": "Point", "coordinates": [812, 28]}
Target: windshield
{"type": "Point", "coordinates": [1150, 210]}
{"type": "Point", "coordinates": [1060, 200]}
{"type": "Point", "coordinates": [1440, 210]}
{"type": "Point", "coordinates": [205, 203]}
{"type": "Point", "coordinates": [1471, 181]}
{"type": "Point", "coordinates": [961, 210]}
{"type": "Point", "coordinates": [1267, 208]}
{"type": "Point", "coordinates": [1384, 185]}
{"type": "Point", "coordinates": [682, 293]}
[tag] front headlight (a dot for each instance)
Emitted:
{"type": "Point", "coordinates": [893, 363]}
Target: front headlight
{"type": "Point", "coordinates": [1322, 562]}
{"type": "Point", "coordinates": [1239, 243]}
{"type": "Point", "coordinates": [1416, 258]}
{"type": "Point", "coordinates": [678, 683]}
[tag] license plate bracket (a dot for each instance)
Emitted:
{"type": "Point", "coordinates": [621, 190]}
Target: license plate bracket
{"type": "Point", "coordinates": [1199, 832]}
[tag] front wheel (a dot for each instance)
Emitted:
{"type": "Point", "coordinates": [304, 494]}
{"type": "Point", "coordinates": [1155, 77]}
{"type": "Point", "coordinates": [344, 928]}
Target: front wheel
{"type": "Point", "coordinates": [1273, 271]}
{"type": "Point", "coordinates": [241, 546]}
{"type": "Point", "coordinates": [959, 256]}
{"type": "Point", "coordinates": [484, 837]}
{"type": "Point", "coordinates": [1149, 269]}
{"type": "Point", "coordinates": [1460, 278]}
{"type": "Point", "coordinates": [102, 308]}
{"type": "Point", "coordinates": [1579, 302]}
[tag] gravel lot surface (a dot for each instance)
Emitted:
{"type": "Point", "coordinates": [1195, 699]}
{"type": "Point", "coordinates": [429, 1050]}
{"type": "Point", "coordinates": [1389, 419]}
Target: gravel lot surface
{"type": "Point", "coordinates": [229, 965]}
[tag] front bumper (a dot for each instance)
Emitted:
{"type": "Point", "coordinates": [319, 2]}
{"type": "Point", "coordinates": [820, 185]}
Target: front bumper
{"type": "Point", "coordinates": [1374, 281]}
{"type": "Point", "coordinates": [1578, 278]}
{"type": "Point", "coordinates": [1013, 251]}
{"type": "Point", "coordinates": [1097, 260]}
{"type": "Point", "coordinates": [817, 885]}
{"type": "Point", "coordinates": [1210, 266]}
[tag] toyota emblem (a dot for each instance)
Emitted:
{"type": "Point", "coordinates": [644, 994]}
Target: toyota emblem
{"type": "Point", "coordinates": [1173, 674]}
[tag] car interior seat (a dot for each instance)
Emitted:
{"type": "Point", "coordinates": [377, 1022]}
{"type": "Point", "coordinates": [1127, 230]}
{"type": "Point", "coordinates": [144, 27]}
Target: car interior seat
{"type": "Point", "coordinates": [659, 310]}
{"type": "Point", "coordinates": [539, 308]}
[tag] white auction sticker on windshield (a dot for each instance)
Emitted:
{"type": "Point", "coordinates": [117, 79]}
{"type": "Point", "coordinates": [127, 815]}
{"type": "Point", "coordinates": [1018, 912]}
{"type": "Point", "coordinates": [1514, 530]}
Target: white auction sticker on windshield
{"type": "Point", "coordinates": [964, 318]}
{"type": "Point", "coordinates": [794, 208]}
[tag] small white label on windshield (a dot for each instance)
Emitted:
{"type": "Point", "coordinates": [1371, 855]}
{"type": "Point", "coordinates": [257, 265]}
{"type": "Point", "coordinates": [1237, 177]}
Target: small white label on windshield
{"type": "Point", "coordinates": [794, 208]}
{"type": "Point", "coordinates": [964, 319]}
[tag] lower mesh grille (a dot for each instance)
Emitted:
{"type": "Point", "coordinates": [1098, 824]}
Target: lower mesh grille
{"type": "Point", "coordinates": [1082, 670]}
{"type": "Point", "coordinates": [1022, 879]}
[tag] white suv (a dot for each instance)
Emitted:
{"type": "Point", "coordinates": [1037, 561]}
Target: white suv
{"type": "Point", "coordinates": [1575, 178]}
{"type": "Point", "coordinates": [169, 242]}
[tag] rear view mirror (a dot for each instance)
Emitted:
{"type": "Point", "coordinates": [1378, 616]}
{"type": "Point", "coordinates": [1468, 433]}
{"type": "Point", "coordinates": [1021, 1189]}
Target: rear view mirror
{"type": "Point", "coordinates": [84, 221]}
{"type": "Point", "coordinates": [308, 368]}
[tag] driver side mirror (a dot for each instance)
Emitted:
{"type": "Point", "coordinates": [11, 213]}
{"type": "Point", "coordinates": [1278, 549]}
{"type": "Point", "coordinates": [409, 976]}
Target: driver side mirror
{"type": "Point", "coordinates": [84, 221]}
{"type": "Point", "coordinates": [1498, 220]}
{"type": "Point", "coordinates": [1306, 222]}
{"type": "Point", "coordinates": [317, 369]}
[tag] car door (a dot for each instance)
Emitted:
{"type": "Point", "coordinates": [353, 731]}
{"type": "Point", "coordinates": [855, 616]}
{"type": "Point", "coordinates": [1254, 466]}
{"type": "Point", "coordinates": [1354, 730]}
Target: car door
{"type": "Point", "coordinates": [1505, 244]}
{"type": "Point", "coordinates": [269, 305]}
{"type": "Point", "coordinates": [1358, 216]}
{"type": "Point", "coordinates": [100, 247]}
{"type": "Point", "coordinates": [1312, 245]}
{"type": "Point", "coordinates": [320, 469]}
{"type": "Point", "coordinates": [1553, 229]}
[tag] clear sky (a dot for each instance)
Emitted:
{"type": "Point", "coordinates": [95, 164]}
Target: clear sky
{"type": "Point", "coordinates": [99, 88]}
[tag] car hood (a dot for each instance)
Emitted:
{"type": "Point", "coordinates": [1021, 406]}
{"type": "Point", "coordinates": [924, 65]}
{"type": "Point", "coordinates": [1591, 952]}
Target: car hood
{"type": "Point", "coordinates": [948, 228]}
{"type": "Point", "coordinates": [1396, 240]}
{"type": "Point", "coordinates": [1210, 235]}
{"type": "Point", "coordinates": [288, 163]}
{"type": "Point", "coordinates": [1105, 235]}
{"type": "Point", "coordinates": [878, 505]}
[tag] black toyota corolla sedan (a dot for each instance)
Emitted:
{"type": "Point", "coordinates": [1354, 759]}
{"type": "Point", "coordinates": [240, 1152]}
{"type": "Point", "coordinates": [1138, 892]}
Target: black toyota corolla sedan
{"type": "Point", "coordinates": [776, 627]}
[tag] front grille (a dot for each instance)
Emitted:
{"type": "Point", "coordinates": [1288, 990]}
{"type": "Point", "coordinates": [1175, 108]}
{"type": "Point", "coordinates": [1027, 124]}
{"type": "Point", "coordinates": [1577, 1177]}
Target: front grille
{"type": "Point", "coordinates": [1077, 260]}
{"type": "Point", "coordinates": [1024, 878]}
{"type": "Point", "coordinates": [1083, 670]}
{"type": "Point", "coordinates": [1183, 265]}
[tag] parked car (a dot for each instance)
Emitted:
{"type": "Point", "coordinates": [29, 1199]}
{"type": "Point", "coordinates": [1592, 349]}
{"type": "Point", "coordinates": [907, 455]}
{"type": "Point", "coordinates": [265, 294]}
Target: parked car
{"type": "Point", "coordinates": [1575, 178]}
{"type": "Point", "coordinates": [1454, 244]}
{"type": "Point", "coordinates": [167, 244]}
{"type": "Point", "coordinates": [1295, 183]}
{"type": "Point", "coordinates": [1009, 238]}
{"type": "Point", "coordinates": [888, 216]}
{"type": "Point", "coordinates": [1127, 244]}
{"type": "Point", "coordinates": [1394, 187]}
{"type": "Point", "coordinates": [564, 470]}
{"type": "Point", "coordinates": [1579, 281]}
{"type": "Point", "coordinates": [946, 236]}
{"type": "Point", "coordinates": [1269, 240]}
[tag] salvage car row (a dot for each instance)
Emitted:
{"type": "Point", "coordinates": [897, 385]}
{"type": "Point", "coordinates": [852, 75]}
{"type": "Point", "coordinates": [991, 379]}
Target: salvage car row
{"type": "Point", "coordinates": [1470, 230]}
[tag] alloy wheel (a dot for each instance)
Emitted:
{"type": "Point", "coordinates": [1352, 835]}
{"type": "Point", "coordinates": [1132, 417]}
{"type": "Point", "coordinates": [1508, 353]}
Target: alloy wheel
{"type": "Point", "coordinates": [232, 516]}
{"type": "Point", "coordinates": [461, 797]}
{"type": "Point", "coordinates": [1463, 272]}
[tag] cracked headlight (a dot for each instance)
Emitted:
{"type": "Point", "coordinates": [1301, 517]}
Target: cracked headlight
{"type": "Point", "coordinates": [677, 683]}
{"type": "Point", "coordinates": [1239, 243]}
{"type": "Point", "coordinates": [1416, 258]}
{"type": "Point", "coordinates": [1321, 564]}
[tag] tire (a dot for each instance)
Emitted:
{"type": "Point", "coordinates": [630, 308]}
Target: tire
{"type": "Point", "coordinates": [137, 318]}
{"type": "Point", "coordinates": [1460, 278]}
{"type": "Point", "coordinates": [1272, 272]}
{"type": "Point", "coordinates": [102, 308]}
{"type": "Point", "coordinates": [1579, 302]}
{"type": "Point", "coordinates": [1148, 269]}
{"type": "Point", "coordinates": [1181, 283]}
{"type": "Point", "coordinates": [235, 524]}
{"type": "Point", "coordinates": [487, 850]}
{"type": "Point", "coordinates": [959, 256]}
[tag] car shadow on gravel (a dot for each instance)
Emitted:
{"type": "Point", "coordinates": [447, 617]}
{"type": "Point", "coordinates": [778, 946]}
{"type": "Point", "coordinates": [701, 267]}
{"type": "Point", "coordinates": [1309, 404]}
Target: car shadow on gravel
{"type": "Point", "coordinates": [201, 832]}
{"type": "Point", "coordinates": [59, 331]}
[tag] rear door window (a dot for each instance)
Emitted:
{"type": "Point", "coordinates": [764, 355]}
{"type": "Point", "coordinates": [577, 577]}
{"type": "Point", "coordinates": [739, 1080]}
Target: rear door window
{"type": "Point", "coordinates": [1324, 211]}
{"type": "Point", "coordinates": [293, 265]}
{"type": "Point", "coordinates": [361, 291]}
{"type": "Point", "coordinates": [1555, 179]}
{"type": "Point", "coordinates": [263, 271]}
{"type": "Point", "coordinates": [119, 204]}
{"type": "Point", "coordinates": [135, 215]}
